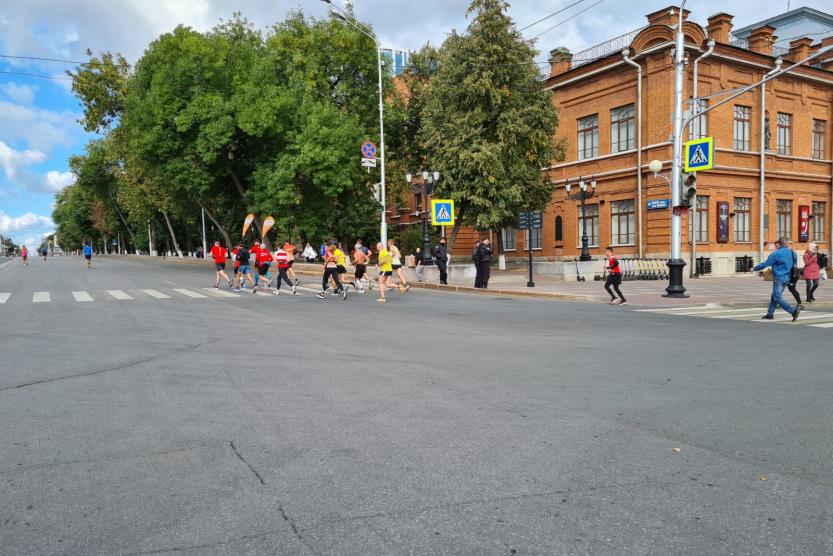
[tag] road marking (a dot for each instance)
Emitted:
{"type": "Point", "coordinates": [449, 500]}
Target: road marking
{"type": "Point", "coordinates": [4, 297]}
{"type": "Point", "coordinates": [805, 316]}
{"type": "Point", "coordinates": [822, 325]}
{"type": "Point", "coordinates": [41, 297]}
{"type": "Point", "coordinates": [310, 290]}
{"type": "Point", "coordinates": [156, 294]}
{"type": "Point", "coordinates": [672, 309]}
{"type": "Point", "coordinates": [219, 293]}
{"type": "Point", "coordinates": [82, 296]}
{"type": "Point", "coordinates": [718, 313]}
{"type": "Point", "coordinates": [118, 294]}
{"type": "Point", "coordinates": [189, 293]}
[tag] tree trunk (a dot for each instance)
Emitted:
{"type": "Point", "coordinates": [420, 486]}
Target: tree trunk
{"type": "Point", "coordinates": [458, 223]}
{"type": "Point", "coordinates": [173, 237]}
{"type": "Point", "coordinates": [217, 223]}
{"type": "Point", "coordinates": [501, 256]}
{"type": "Point", "coordinates": [189, 237]}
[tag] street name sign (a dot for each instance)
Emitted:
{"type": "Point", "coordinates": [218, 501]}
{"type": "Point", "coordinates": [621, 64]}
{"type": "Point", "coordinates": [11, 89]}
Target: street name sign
{"type": "Point", "coordinates": [442, 212]}
{"type": "Point", "coordinates": [699, 154]}
{"type": "Point", "coordinates": [530, 220]}
{"type": "Point", "coordinates": [659, 204]}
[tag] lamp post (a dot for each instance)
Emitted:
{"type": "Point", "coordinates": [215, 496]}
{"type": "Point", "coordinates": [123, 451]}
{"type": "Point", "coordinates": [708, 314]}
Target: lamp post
{"type": "Point", "coordinates": [335, 11]}
{"type": "Point", "coordinates": [584, 192]}
{"type": "Point", "coordinates": [429, 180]}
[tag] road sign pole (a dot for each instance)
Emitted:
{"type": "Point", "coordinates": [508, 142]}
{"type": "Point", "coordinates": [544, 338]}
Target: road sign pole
{"type": "Point", "coordinates": [530, 283]}
{"type": "Point", "coordinates": [383, 227]}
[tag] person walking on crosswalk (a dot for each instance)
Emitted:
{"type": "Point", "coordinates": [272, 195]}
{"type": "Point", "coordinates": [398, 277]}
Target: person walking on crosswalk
{"type": "Point", "coordinates": [781, 261]}
{"type": "Point", "coordinates": [813, 263]}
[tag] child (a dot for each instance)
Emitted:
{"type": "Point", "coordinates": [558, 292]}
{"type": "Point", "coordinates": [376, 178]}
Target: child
{"type": "Point", "coordinates": [614, 279]}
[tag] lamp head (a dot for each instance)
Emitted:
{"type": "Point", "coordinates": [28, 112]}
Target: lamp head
{"type": "Point", "coordinates": [655, 166]}
{"type": "Point", "coordinates": [408, 178]}
{"type": "Point", "coordinates": [425, 175]}
{"type": "Point", "coordinates": [436, 176]}
{"type": "Point", "coordinates": [568, 186]}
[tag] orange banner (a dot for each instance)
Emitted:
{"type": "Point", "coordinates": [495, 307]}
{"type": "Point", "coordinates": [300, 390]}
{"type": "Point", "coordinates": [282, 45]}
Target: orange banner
{"type": "Point", "coordinates": [267, 225]}
{"type": "Point", "coordinates": [247, 222]}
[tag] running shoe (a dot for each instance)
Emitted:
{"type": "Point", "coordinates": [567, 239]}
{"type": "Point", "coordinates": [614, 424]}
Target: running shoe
{"type": "Point", "coordinates": [407, 288]}
{"type": "Point", "coordinates": [230, 283]}
{"type": "Point", "coordinates": [344, 294]}
{"type": "Point", "coordinates": [254, 289]}
{"type": "Point", "coordinates": [294, 290]}
{"type": "Point", "coordinates": [277, 292]}
{"type": "Point", "coordinates": [381, 300]}
{"type": "Point", "coordinates": [237, 289]}
{"type": "Point", "coordinates": [214, 286]}
{"type": "Point", "coordinates": [320, 295]}
{"type": "Point", "coordinates": [623, 302]}
{"type": "Point", "coordinates": [296, 281]}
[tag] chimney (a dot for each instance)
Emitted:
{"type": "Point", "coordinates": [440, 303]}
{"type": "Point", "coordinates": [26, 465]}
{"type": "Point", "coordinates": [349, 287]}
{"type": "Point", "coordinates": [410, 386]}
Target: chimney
{"type": "Point", "coordinates": [826, 60]}
{"type": "Point", "coordinates": [720, 27]}
{"type": "Point", "coordinates": [799, 49]}
{"type": "Point", "coordinates": [560, 61]}
{"type": "Point", "coordinates": [666, 16]}
{"type": "Point", "coordinates": [762, 39]}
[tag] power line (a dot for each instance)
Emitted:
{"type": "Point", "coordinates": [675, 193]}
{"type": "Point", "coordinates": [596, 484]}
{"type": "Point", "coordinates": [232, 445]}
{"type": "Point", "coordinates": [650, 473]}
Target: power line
{"type": "Point", "coordinates": [39, 76]}
{"type": "Point", "coordinates": [562, 22]}
{"type": "Point", "coordinates": [549, 16]}
{"type": "Point", "coordinates": [39, 59]}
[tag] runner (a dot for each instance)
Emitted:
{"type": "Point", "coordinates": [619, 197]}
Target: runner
{"type": "Point", "coordinates": [243, 273]}
{"type": "Point", "coordinates": [88, 254]}
{"type": "Point", "coordinates": [282, 260]}
{"type": "Point", "coordinates": [219, 254]}
{"type": "Point", "coordinates": [385, 270]}
{"type": "Point", "coordinates": [614, 279]}
{"type": "Point", "coordinates": [396, 263]}
{"type": "Point", "coordinates": [264, 260]}
{"type": "Point", "coordinates": [341, 261]}
{"type": "Point", "coordinates": [24, 255]}
{"type": "Point", "coordinates": [234, 260]}
{"type": "Point", "coordinates": [44, 252]}
{"type": "Point", "coordinates": [290, 252]}
{"type": "Point", "coordinates": [253, 255]}
{"type": "Point", "coordinates": [360, 260]}
{"type": "Point", "coordinates": [331, 271]}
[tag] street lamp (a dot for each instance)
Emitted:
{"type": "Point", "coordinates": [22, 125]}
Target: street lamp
{"type": "Point", "coordinates": [335, 11]}
{"type": "Point", "coordinates": [584, 192]}
{"type": "Point", "coordinates": [429, 180]}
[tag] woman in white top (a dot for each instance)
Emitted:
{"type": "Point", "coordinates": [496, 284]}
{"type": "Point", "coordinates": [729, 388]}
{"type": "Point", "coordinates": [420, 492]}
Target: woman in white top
{"type": "Point", "coordinates": [309, 253]}
{"type": "Point", "coordinates": [396, 262]}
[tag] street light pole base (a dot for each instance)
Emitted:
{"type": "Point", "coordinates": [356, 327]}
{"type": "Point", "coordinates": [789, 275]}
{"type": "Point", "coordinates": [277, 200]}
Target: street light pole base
{"type": "Point", "coordinates": [675, 287]}
{"type": "Point", "coordinates": [585, 258]}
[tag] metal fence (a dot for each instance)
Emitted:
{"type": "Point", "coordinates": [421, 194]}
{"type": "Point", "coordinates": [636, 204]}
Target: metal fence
{"type": "Point", "coordinates": [612, 46]}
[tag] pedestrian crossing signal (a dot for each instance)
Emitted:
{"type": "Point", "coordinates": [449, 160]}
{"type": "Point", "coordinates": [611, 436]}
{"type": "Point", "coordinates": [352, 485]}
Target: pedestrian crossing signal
{"type": "Point", "coordinates": [699, 155]}
{"type": "Point", "coordinates": [442, 212]}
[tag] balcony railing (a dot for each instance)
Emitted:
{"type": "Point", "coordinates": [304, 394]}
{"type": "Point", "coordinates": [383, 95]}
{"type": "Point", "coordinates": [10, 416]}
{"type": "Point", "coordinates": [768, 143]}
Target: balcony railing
{"type": "Point", "coordinates": [614, 45]}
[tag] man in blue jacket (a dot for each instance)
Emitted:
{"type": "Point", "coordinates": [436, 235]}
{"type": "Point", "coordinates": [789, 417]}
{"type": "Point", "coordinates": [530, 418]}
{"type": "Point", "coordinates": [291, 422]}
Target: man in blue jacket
{"type": "Point", "coordinates": [781, 261]}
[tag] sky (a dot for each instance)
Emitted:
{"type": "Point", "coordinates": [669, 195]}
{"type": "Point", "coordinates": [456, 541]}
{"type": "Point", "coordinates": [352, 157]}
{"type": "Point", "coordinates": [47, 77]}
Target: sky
{"type": "Point", "coordinates": [39, 127]}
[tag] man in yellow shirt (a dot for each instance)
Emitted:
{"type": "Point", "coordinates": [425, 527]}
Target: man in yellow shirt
{"type": "Point", "coordinates": [385, 269]}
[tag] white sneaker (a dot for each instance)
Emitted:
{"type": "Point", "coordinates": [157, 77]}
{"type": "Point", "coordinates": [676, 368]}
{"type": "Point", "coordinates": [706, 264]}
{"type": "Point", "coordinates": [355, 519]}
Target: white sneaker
{"type": "Point", "coordinates": [294, 290]}
{"type": "Point", "coordinates": [277, 292]}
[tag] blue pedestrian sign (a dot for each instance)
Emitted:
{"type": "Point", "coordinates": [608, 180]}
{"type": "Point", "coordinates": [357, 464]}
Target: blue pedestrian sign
{"type": "Point", "coordinates": [368, 150]}
{"type": "Point", "coordinates": [442, 212]}
{"type": "Point", "coordinates": [699, 154]}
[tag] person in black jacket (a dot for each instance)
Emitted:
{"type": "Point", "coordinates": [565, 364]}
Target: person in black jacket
{"type": "Point", "coordinates": [441, 257]}
{"type": "Point", "coordinates": [478, 269]}
{"type": "Point", "coordinates": [484, 262]}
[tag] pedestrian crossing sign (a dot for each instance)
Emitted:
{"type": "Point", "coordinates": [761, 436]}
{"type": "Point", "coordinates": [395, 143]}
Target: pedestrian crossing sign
{"type": "Point", "coordinates": [699, 154]}
{"type": "Point", "coordinates": [442, 212]}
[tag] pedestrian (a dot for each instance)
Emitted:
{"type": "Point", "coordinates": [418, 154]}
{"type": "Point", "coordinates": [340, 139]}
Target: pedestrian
{"type": "Point", "coordinates": [385, 270]}
{"type": "Point", "coordinates": [24, 255]}
{"type": "Point", "coordinates": [478, 270]}
{"type": "Point", "coordinates": [812, 271]}
{"type": "Point", "coordinates": [282, 261]}
{"type": "Point", "coordinates": [88, 254]}
{"type": "Point", "coordinates": [441, 258]}
{"type": "Point", "coordinates": [290, 252]}
{"type": "Point", "coordinates": [781, 262]}
{"type": "Point", "coordinates": [396, 264]}
{"type": "Point", "coordinates": [322, 250]}
{"type": "Point", "coordinates": [309, 253]}
{"type": "Point", "coordinates": [614, 278]}
{"type": "Point", "coordinates": [795, 275]}
{"type": "Point", "coordinates": [44, 252]}
{"type": "Point", "coordinates": [331, 271]}
{"type": "Point", "coordinates": [220, 254]}
{"type": "Point", "coordinates": [485, 261]}
{"type": "Point", "coordinates": [420, 264]}
{"type": "Point", "coordinates": [264, 261]}
{"type": "Point", "coordinates": [243, 273]}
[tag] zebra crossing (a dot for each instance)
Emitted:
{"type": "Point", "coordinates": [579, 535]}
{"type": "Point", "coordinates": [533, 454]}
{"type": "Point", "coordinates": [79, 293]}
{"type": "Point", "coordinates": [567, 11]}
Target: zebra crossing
{"type": "Point", "coordinates": [133, 295]}
{"type": "Point", "coordinates": [809, 318]}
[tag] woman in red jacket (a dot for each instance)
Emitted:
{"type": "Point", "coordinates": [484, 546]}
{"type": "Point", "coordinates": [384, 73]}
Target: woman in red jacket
{"type": "Point", "coordinates": [811, 270]}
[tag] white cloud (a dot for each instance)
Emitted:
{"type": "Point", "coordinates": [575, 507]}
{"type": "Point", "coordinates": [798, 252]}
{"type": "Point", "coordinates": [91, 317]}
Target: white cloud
{"type": "Point", "coordinates": [56, 181]}
{"type": "Point", "coordinates": [23, 94]}
{"type": "Point", "coordinates": [12, 161]}
{"type": "Point", "coordinates": [39, 128]}
{"type": "Point", "coordinates": [25, 223]}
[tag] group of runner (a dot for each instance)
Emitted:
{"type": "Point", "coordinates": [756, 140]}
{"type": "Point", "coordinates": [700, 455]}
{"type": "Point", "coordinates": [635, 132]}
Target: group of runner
{"type": "Point", "coordinates": [335, 268]}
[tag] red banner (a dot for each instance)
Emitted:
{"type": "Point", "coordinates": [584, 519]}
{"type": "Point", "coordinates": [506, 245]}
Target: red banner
{"type": "Point", "coordinates": [803, 223]}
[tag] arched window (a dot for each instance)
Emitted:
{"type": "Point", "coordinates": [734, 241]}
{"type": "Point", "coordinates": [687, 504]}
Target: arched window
{"type": "Point", "coordinates": [559, 230]}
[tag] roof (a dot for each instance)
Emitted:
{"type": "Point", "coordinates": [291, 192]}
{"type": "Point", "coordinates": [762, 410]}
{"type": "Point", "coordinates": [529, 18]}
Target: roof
{"type": "Point", "coordinates": [792, 15]}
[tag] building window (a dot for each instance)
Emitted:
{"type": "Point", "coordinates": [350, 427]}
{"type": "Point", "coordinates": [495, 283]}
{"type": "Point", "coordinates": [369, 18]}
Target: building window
{"type": "Point", "coordinates": [533, 236]}
{"type": "Point", "coordinates": [622, 222]}
{"type": "Point", "coordinates": [591, 220]}
{"type": "Point", "coordinates": [743, 210]}
{"type": "Point", "coordinates": [785, 132]}
{"type": "Point", "coordinates": [818, 139]}
{"type": "Point", "coordinates": [510, 239]}
{"type": "Point", "coordinates": [588, 137]}
{"type": "Point", "coordinates": [784, 214]}
{"type": "Point", "coordinates": [742, 128]}
{"type": "Point", "coordinates": [622, 136]}
{"type": "Point", "coordinates": [559, 229]}
{"type": "Point", "coordinates": [819, 221]}
{"type": "Point", "coordinates": [699, 125]}
{"type": "Point", "coordinates": [702, 220]}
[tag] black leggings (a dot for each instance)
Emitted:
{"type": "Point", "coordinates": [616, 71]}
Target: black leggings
{"type": "Point", "coordinates": [614, 280]}
{"type": "Point", "coordinates": [283, 276]}
{"type": "Point", "coordinates": [794, 291]}
{"type": "Point", "coordinates": [812, 286]}
{"type": "Point", "coordinates": [325, 282]}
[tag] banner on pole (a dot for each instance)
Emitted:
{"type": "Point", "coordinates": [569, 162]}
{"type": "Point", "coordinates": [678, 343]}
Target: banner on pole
{"type": "Point", "coordinates": [803, 223]}
{"type": "Point", "coordinates": [267, 225]}
{"type": "Point", "coordinates": [247, 222]}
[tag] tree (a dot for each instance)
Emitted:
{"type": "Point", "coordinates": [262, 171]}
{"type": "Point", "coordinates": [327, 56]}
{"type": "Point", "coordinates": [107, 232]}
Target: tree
{"type": "Point", "coordinates": [489, 126]}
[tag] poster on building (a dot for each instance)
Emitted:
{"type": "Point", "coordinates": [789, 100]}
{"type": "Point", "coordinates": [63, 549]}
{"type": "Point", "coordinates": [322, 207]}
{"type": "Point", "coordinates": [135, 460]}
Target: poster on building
{"type": "Point", "coordinates": [804, 223]}
{"type": "Point", "coordinates": [722, 222]}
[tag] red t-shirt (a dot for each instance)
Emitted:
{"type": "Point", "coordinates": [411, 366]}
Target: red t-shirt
{"type": "Point", "coordinates": [613, 265]}
{"type": "Point", "coordinates": [263, 256]}
{"type": "Point", "coordinates": [219, 254]}
{"type": "Point", "coordinates": [282, 258]}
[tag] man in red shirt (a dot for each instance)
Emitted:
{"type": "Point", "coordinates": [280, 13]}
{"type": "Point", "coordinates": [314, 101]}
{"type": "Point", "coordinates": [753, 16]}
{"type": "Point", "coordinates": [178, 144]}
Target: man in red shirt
{"type": "Point", "coordinates": [263, 260]}
{"type": "Point", "coordinates": [614, 279]}
{"type": "Point", "coordinates": [220, 254]}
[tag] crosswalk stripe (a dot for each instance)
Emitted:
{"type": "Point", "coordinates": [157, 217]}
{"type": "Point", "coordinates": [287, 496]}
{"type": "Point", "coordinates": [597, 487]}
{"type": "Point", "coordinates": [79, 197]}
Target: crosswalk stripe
{"type": "Point", "coordinates": [189, 293]}
{"type": "Point", "coordinates": [82, 296]}
{"type": "Point", "coordinates": [4, 297]}
{"type": "Point", "coordinates": [156, 294]}
{"type": "Point", "coordinates": [118, 294]}
{"type": "Point", "coordinates": [674, 309]}
{"type": "Point", "coordinates": [310, 290]}
{"type": "Point", "coordinates": [41, 297]}
{"type": "Point", "coordinates": [726, 313]}
{"type": "Point", "coordinates": [219, 293]}
{"type": "Point", "coordinates": [802, 318]}
{"type": "Point", "coordinates": [821, 325]}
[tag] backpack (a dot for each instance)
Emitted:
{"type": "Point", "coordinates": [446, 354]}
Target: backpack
{"type": "Point", "coordinates": [822, 259]}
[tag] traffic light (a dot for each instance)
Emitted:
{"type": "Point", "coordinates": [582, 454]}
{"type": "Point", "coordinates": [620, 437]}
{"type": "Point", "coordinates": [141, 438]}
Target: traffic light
{"type": "Point", "coordinates": [689, 188]}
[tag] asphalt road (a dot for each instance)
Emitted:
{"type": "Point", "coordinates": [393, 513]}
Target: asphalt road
{"type": "Point", "coordinates": [436, 424]}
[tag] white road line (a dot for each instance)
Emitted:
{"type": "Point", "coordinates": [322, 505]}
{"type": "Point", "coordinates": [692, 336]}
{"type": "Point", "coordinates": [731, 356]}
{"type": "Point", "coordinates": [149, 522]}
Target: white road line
{"type": "Point", "coordinates": [672, 309]}
{"type": "Point", "coordinates": [156, 294]}
{"type": "Point", "coordinates": [718, 313]}
{"type": "Point", "coordinates": [305, 289]}
{"type": "Point", "coordinates": [822, 325]}
{"type": "Point", "coordinates": [219, 293]}
{"type": "Point", "coordinates": [4, 297]}
{"type": "Point", "coordinates": [41, 297]}
{"type": "Point", "coordinates": [803, 317]}
{"type": "Point", "coordinates": [82, 296]}
{"type": "Point", "coordinates": [189, 293]}
{"type": "Point", "coordinates": [118, 294]}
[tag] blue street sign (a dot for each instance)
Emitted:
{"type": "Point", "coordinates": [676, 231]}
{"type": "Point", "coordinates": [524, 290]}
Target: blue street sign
{"type": "Point", "coordinates": [699, 154]}
{"type": "Point", "coordinates": [368, 150]}
{"type": "Point", "coordinates": [533, 219]}
{"type": "Point", "coordinates": [442, 212]}
{"type": "Point", "coordinates": [659, 204]}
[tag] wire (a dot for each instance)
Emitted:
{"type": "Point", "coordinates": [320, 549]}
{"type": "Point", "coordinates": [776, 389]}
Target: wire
{"type": "Point", "coordinates": [39, 59]}
{"type": "Point", "coordinates": [562, 22]}
{"type": "Point", "coordinates": [52, 77]}
{"type": "Point", "coordinates": [549, 16]}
